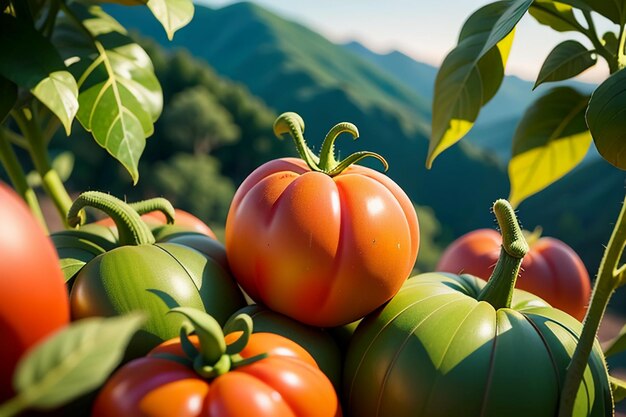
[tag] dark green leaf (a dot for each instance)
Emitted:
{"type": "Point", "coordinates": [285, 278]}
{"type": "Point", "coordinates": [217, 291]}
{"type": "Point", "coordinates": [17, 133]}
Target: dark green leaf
{"type": "Point", "coordinates": [73, 361]}
{"type": "Point", "coordinates": [8, 97]}
{"type": "Point", "coordinates": [610, 41]}
{"type": "Point", "coordinates": [173, 14]}
{"type": "Point", "coordinates": [32, 62]}
{"type": "Point", "coordinates": [120, 97]}
{"type": "Point", "coordinates": [614, 10]}
{"type": "Point", "coordinates": [565, 61]}
{"type": "Point", "coordinates": [606, 118]}
{"type": "Point", "coordinates": [558, 16]}
{"type": "Point", "coordinates": [472, 73]}
{"type": "Point", "coordinates": [619, 389]}
{"type": "Point", "coordinates": [550, 140]}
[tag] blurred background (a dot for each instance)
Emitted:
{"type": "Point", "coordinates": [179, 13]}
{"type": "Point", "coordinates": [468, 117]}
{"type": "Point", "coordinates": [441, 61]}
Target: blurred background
{"type": "Point", "coordinates": [236, 66]}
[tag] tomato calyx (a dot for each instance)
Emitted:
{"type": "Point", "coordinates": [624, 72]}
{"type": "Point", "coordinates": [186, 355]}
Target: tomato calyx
{"type": "Point", "coordinates": [326, 162]}
{"type": "Point", "coordinates": [131, 229]}
{"type": "Point", "coordinates": [499, 289]}
{"type": "Point", "coordinates": [213, 357]}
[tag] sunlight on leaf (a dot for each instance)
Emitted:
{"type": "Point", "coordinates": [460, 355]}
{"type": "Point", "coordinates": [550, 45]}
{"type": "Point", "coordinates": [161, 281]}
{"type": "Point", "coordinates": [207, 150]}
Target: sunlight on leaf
{"type": "Point", "coordinates": [472, 72]}
{"type": "Point", "coordinates": [32, 62]}
{"type": "Point", "coordinates": [565, 61]}
{"type": "Point", "coordinates": [74, 360]}
{"type": "Point", "coordinates": [550, 140]}
{"type": "Point", "coordinates": [607, 119]}
{"type": "Point", "coordinates": [173, 14]}
{"type": "Point", "coordinates": [120, 97]}
{"type": "Point", "coordinates": [558, 16]}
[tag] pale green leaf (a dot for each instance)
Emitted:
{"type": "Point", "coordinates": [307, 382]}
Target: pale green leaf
{"type": "Point", "coordinates": [619, 389]}
{"type": "Point", "coordinates": [565, 61]}
{"type": "Point", "coordinates": [33, 63]}
{"type": "Point", "coordinates": [58, 92]}
{"type": "Point", "coordinates": [550, 140]}
{"type": "Point", "coordinates": [120, 97]}
{"type": "Point", "coordinates": [74, 360]}
{"type": "Point", "coordinates": [558, 16]}
{"type": "Point", "coordinates": [606, 118]}
{"type": "Point", "coordinates": [173, 14]}
{"type": "Point", "coordinates": [8, 97]}
{"type": "Point", "coordinates": [616, 345]}
{"type": "Point", "coordinates": [472, 72]}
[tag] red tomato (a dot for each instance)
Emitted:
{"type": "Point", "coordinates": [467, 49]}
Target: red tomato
{"type": "Point", "coordinates": [33, 297]}
{"type": "Point", "coordinates": [183, 218]}
{"type": "Point", "coordinates": [550, 270]}
{"type": "Point", "coordinates": [323, 250]}
{"type": "Point", "coordinates": [286, 383]}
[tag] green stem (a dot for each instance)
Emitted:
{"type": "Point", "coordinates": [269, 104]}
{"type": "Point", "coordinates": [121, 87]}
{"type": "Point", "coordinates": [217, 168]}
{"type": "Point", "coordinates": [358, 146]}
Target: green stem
{"type": "Point", "coordinates": [601, 49]}
{"type": "Point", "coordinates": [621, 50]}
{"type": "Point", "coordinates": [38, 148]}
{"type": "Point", "coordinates": [131, 229]}
{"type": "Point", "coordinates": [499, 289]}
{"type": "Point", "coordinates": [155, 204]}
{"type": "Point", "coordinates": [13, 406]}
{"type": "Point", "coordinates": [11, 164]}
{"type": "Point", "coordinates": [294, 125]}
{"type": "Point", "coordinates": [608, 279]}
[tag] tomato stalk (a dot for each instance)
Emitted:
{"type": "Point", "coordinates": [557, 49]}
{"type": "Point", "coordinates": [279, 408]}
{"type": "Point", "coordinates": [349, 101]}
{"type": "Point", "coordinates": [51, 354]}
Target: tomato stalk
{"type": "Point", "coordinates": [37, 147]}
{"type": "Point", "coordinates": [326, 162]}
{"type": "Point", "coordinates": [499, 289]}
{"type": "Point", "coordinates": [609, 278]}
{"type": "Point", "coordinates": [131, 229]}
{"type": "Point", "coordinates": [214, 357]}
{"type": "Point", "coordinates": [159, 204]}
{"type": "Point", "coordinates": [9, 161]}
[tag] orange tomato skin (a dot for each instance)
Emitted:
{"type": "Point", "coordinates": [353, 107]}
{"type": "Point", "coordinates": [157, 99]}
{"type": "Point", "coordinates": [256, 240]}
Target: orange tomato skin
{"type": "Point", "coordinates": [286, 383]}
{"type": "Point", "coordinates": [323, 250]}
{"type": "Point", "coordinates": [33, 298]}
{"type": "Point", "coordinates": [550, 270]}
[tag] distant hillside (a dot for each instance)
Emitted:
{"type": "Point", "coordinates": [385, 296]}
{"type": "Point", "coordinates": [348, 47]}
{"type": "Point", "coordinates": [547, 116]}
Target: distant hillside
{"type": "Point", "coordinates": [294, 69]}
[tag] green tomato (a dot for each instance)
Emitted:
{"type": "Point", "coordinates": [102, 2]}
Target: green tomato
{"type": "Point", "coordinates": [449, 345]}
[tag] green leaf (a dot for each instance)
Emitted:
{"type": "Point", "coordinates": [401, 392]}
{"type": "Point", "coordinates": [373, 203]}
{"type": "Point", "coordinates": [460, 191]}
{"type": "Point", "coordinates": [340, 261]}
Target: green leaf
{"type": "Point", "coordinates": [8, 97]}
{"type": "Point", "coordinates": [74, 360]}
{"type": "Point", "coordinates": [472, 72]}
{"type": "Point", "coordinates": [120, 97]}
{"type": "Point", "coordinates": [606, 118]}
{"type": "Point", "coordinates": [619, 389]}
{"type": "Point", "coordinates": [32, 62]}
{"type": "Point", "coordinates": [614, 10]}
{"type": "Point", "coordinates": [173, 14]}
{"type": "Point", "coordinates": [558, 16]}
{"type": "Point", "coordinates": [550, 140]}
{"type": "Point", "coordinates": [616, 345]}
{"type": "Point", "coordinates": [566, 60]}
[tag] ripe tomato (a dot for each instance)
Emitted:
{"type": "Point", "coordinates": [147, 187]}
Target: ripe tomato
{"type": "Point", "coordinates": [287, 382]}
{"type": "Point", "coordinates": [322, 241]}
{"type": "Point", "coordinates": [551, 270]}
{"type": "Point", "coordinates": [33, 298]}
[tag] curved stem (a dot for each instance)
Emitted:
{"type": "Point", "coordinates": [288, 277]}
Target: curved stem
{"type": "Point", "coordinates": [608, 279]}
{"type": "Point", "coordinates": [9, 161]}
{"type": "Point", "coordinates": [38, 149]}
{"type": "Point", "coordinates": [621, 49]}
{"type": "Point", "coordinates": [601, 49]}
{"type": "Point", "coordinates": [293, 124]}
{"type": "Point", "coordinates": [131, 229]}
{"type": "Point", "coordinates": [155, 204]}
{"type": "Point", "coordinates": [327, 153]}
{"type": "Point", "coordinates": [499, 290]}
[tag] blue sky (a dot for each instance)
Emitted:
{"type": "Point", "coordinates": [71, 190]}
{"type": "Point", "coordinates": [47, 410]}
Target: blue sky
{"type": "Point", "coordinates": [425, 30]}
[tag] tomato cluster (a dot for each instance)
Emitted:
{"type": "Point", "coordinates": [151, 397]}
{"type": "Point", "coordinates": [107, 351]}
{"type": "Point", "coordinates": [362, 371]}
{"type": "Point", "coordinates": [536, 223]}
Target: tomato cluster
{"type": "Point", "coordinates": [307, 310]}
